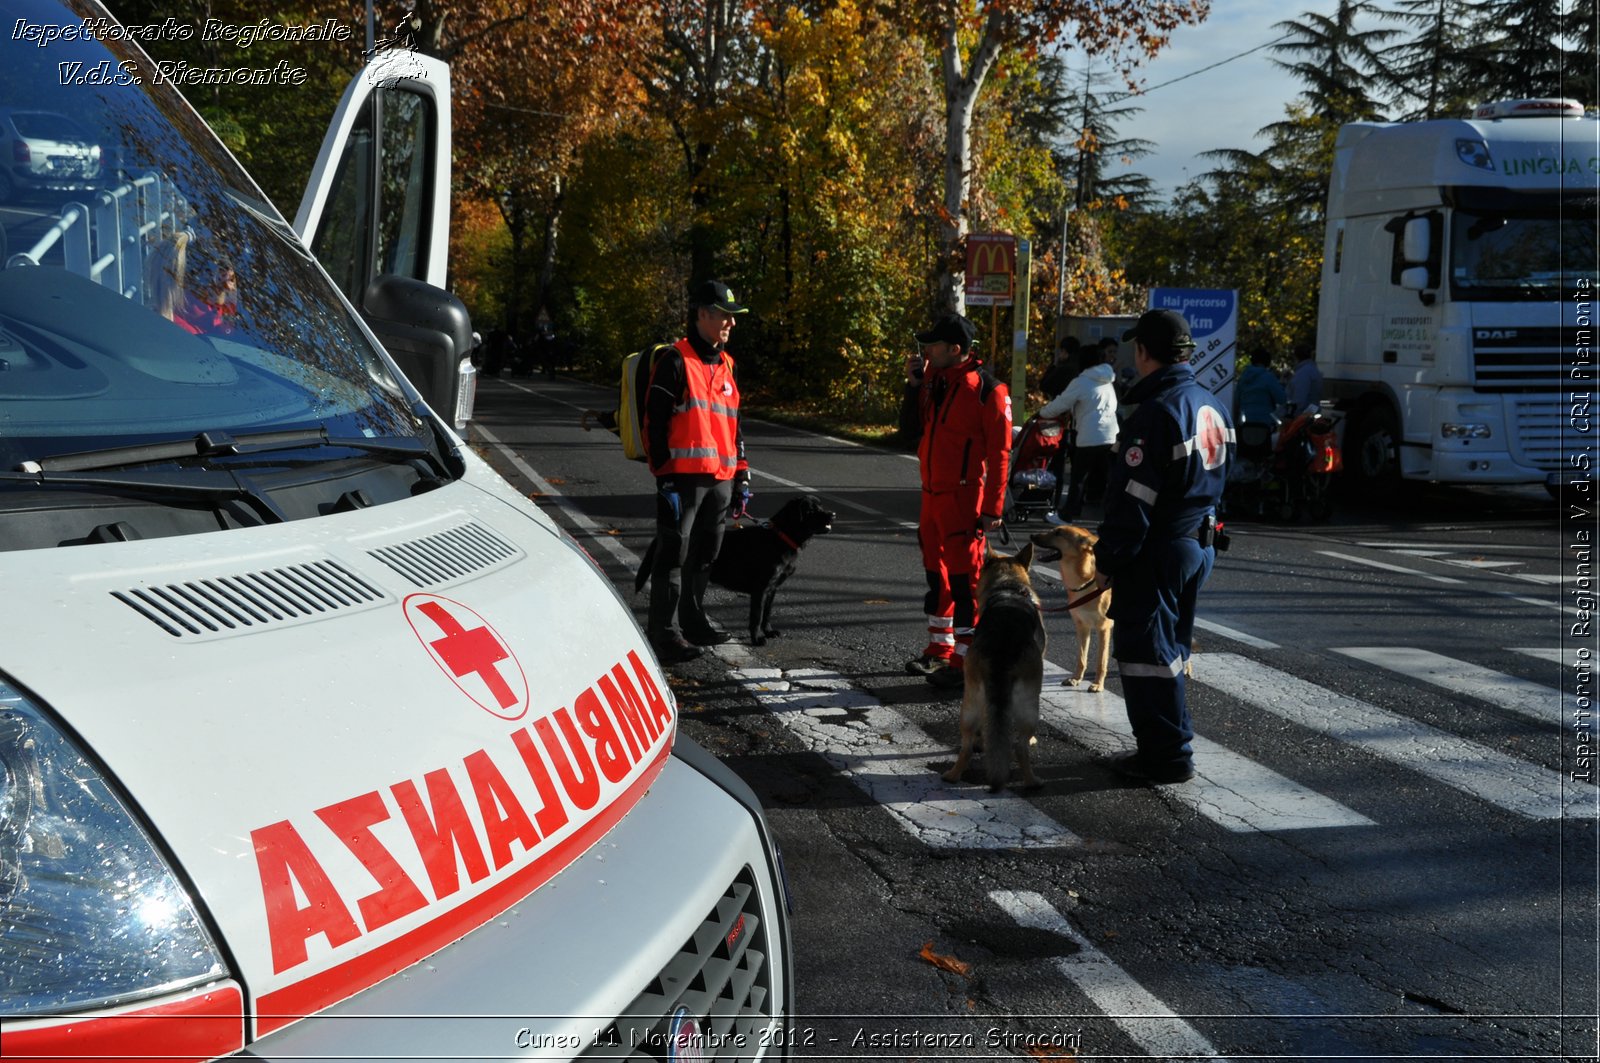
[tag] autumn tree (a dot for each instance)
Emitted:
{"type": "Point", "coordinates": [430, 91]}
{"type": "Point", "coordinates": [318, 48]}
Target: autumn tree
{"type": "Point", "coordinates": [971, 36]}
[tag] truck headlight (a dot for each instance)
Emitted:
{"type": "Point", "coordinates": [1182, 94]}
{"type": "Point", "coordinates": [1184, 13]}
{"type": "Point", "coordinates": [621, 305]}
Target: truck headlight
{"type": "Point", "coordinates": [90, 913]}
{"type": "Point", "coordinates": [1464, 431]}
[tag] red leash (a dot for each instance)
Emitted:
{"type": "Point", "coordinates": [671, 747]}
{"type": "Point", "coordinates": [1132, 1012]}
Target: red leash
{"type": "Point", "coordinates": [1085, 600]}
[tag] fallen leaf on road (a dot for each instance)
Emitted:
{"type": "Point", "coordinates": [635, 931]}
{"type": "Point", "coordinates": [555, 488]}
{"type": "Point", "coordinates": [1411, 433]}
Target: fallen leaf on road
{"type": "Point", "coordinates": [1040, 1053]}
{"type": "Point", "coordinates": [875, 601]}
{"type": "Point", "coordinates": [554, 480]}
{"type": "Point", "coordinates": [945, 963]}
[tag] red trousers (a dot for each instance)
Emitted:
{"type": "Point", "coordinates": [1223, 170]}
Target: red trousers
{"type": "Point", "coordinates": [952, 551]}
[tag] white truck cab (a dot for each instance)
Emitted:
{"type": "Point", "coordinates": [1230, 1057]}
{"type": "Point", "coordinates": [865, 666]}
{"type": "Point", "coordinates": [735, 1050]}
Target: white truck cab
{"type": "Point", "coordinates": [317, 738]}
{"type": "Point", "coordinates": [1459, 264]}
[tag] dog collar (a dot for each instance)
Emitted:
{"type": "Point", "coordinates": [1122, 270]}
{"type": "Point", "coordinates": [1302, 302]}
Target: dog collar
{"type": "Point", "coordinates": [785, 540]}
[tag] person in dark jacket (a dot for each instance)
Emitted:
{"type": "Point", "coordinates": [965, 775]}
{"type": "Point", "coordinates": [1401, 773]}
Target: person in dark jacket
{"type": "Point", "coordinates": [961, 417]}
{"type": "Point", "coordinates": [695, 447]}
{"type": "Point", "coordinates": [1156, 544]}
{"type": "Point", "coordinates": [1062, 370]}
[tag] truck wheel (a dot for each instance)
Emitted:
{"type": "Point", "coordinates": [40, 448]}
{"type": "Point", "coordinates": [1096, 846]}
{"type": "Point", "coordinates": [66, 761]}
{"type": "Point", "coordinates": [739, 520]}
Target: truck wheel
{"type": "Point", "coordinates": [1374, 452]}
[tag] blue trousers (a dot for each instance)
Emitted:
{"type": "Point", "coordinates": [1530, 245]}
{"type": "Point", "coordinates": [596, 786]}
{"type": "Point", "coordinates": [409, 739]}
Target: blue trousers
{"type": "Point", "coordinates": [1153, 604]}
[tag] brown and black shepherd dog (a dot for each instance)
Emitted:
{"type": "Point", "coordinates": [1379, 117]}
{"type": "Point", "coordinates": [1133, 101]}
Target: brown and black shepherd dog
{"type": "Point", "coordinates": [1073, 548]}
{"type": "Point", "coordinates": [1004, 671]}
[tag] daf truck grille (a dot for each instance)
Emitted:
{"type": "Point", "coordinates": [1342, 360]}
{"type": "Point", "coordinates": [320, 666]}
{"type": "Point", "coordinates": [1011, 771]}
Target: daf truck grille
{"type": "Point", "coordinates": [1536, 426]}
{"type": "Point", "coordinates": [1522, 359]}
{"type": "Point", "coordinates": [720, 977]}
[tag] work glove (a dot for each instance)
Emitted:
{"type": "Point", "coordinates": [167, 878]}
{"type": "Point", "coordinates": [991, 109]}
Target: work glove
{"type": "Point", "coordinates": [740, 506]}
{"type": "Point", "coordinates": [667, 488]}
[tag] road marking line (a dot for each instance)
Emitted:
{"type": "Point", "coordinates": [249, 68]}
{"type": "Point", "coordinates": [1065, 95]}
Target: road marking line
{"type": "Point", "coordinates": [1512, 784]}
{"type": "Point", "coordinates": [887, 756]}
{"type": "Point", "coordinates": [1491, 548]}
{"type": "Point", "coordinates": [1230, 789]}
{"type": "Point", "coordinates": [1521, 696]}
{"type": "Point", "coordinates": [833, 498]}
{"type": "Point", "coordinates": [1544, 653]}
{"type": "Point", "coordinates": [596, 533]}
{"type": "Point", "coordinates": [1234, 634]}
{"type": "Point", "coordinates": [1388, 567]}
{"type": "Point", "coordinates": [1136, 1011]}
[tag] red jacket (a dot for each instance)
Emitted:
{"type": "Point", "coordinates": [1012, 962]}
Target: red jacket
{"type": "Point", "coordinates": [963, 416]}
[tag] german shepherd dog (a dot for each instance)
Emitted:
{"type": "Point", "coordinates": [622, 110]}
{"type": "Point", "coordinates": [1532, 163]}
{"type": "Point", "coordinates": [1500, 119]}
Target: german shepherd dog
{"type": "Point", "coordinates": [756, 559]}
{"type": "Point", "coordinates": [1004, 671]}
{"type": "Point", "coordinates": [1073, 547]}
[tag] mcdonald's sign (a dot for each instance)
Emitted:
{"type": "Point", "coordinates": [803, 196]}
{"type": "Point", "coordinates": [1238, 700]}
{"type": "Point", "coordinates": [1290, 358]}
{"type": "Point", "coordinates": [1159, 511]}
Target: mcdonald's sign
{"type": "Point", "coordinates": [991, 269]}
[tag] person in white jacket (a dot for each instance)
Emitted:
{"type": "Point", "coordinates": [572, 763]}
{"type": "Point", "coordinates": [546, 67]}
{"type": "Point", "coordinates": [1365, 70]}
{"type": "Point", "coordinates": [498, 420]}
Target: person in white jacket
{"type": "Point", "coordinates": [1091, 402]}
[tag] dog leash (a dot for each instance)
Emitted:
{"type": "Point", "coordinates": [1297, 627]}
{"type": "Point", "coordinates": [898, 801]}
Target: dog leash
{"type": "Point", "coordinates": [1085, 600]}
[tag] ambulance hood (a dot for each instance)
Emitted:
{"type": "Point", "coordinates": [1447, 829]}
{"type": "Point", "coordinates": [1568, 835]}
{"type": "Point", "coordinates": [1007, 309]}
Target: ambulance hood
{"type": "Point", "coordinates": [359, 736]}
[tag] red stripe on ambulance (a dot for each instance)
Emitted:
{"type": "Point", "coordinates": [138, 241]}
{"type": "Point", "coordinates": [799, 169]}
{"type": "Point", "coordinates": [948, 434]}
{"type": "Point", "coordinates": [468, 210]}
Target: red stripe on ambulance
{"type": "Point", "coordinates": [549, 774]}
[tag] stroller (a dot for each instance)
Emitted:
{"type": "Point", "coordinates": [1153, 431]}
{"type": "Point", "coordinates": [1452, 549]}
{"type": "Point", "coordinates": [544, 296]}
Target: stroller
{"type": "Point", "coordinates": [1031, 486]}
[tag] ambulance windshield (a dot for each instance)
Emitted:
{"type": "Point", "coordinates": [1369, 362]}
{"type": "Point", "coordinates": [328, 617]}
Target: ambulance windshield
{"type": "Point", "coordinates": [1514, 256]}
{"type": "Point", "coordinates": [148, 292]}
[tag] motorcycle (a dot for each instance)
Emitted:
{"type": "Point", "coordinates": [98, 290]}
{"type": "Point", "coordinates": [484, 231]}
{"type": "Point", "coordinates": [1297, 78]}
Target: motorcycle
{"type": "Point", "coordinates": [1284, 470]}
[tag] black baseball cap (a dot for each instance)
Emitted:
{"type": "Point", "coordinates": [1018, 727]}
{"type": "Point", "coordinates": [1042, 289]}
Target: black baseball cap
{"type": "Point", "coordinates": [950, 328]}
{"type": "Point", "coordinates": [1160, 331]}
{"type": "Point", "coordinates": [719, 295]}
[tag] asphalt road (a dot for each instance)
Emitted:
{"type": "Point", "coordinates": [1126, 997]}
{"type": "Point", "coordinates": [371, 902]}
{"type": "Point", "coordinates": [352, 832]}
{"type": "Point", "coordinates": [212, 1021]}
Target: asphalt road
{"type": "Point", "coordinates": [1390, 851]}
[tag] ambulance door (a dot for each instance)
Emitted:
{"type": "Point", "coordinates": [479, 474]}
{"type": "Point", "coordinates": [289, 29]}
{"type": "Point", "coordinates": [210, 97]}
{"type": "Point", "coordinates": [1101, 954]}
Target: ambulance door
{"type": "Point", "coordinates": [376, 214]}
{"type": "Point", "coordinates": [378, 201]}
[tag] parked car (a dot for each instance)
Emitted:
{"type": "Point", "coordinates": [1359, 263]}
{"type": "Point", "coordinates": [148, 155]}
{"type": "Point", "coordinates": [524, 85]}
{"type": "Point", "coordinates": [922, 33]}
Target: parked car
{"type": "Point", "coordinates": [318, 739]}
{"type": "Point", "coordinates": [42, 151]}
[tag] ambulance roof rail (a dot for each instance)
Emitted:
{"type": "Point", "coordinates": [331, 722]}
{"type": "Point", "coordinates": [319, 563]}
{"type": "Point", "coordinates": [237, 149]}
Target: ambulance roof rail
{"type": "Point", "coordinates": [1545, 108]}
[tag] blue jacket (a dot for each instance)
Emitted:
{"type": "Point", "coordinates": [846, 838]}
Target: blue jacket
{"type": "Point", "coordinates": [1258, 394]}
{"type": "Point", "coordinates": [1168, 467]}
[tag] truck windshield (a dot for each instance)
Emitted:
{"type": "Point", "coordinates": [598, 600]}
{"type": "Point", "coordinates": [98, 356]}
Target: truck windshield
{"type": "Point", "coordinates": [148, 292]}
{"type": "Point", "coordinates": [1517, 256]}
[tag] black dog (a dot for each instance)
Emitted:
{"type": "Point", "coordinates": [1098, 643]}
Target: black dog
{"type": "Point", "coordinates": [756, 559]}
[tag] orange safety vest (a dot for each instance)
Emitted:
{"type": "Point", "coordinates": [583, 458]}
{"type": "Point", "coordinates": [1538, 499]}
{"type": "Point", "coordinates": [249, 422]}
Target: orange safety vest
{"type": "Point", "coordinates": [702, 436]}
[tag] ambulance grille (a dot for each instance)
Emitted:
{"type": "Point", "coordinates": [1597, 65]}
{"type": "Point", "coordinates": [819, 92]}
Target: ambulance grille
{"type": "Point", "coordinates": [447, 555]}
{"type": "Point", "coordinates": [721, 976]}
{"type": "Point", "coordinates": [270, 597]}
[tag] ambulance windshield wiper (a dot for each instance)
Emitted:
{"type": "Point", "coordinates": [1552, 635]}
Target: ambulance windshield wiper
{"type": "Point", "coordinates": [162, 486]}
{"type": "Point", "coordinates": [223, 444]}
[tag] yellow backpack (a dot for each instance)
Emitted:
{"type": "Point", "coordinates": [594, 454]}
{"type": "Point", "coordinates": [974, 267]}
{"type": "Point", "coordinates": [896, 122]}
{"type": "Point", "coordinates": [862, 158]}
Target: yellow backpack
{"type": "Point", "coordinates": [636, 370]}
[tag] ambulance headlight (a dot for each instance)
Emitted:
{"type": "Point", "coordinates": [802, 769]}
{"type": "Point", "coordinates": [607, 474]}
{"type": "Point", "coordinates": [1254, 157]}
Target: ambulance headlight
{"type": "Point", "coordinates": [90, 913]}
{"type": "Point", "coordinates": [1464, 431]}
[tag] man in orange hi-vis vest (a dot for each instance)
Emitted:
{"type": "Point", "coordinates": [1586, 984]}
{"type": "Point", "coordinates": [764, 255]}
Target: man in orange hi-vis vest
{"type": "Point", "coordinates": [696, 452]}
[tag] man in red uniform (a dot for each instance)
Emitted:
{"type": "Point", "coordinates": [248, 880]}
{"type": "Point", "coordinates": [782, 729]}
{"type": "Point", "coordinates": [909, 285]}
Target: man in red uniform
{"type": "Point", "coordinates": [962, 417]}
{"type": "Point", "coordinates": [696, 451]}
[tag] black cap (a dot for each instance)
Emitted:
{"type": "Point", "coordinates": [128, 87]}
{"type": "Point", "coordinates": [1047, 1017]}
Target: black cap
{"type": "Point", "coordinates": [1161, 332]}
{"type": "Point", "coordinates": [950, 328]}
{"type": "Point", "coordinates": [719, 295]}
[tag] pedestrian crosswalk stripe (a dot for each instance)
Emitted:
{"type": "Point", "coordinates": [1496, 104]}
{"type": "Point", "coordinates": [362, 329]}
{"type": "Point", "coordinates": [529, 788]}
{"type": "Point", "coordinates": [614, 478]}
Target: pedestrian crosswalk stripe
{"type": "Point", "coordinates": [1140, 1014]}
{"type": "Point", "coordinates": [1521, 696]}
{"type": "Point", "coordinates": [1233, 633]}
{"type": "Point", "coordinates": [1515, 785]}
{"type": "Point", "coordinates": [889, 757]}
{"type": "Point", "coordinates": [1370, 563]}
{"type": "Point", "coordinates": [1229, 789]}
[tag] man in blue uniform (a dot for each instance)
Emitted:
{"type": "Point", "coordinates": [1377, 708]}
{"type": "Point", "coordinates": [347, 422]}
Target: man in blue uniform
{"type": "Point", "coordinates": [1157, 543]}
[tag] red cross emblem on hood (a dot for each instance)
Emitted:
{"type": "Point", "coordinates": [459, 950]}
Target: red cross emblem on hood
{"type": "Point", "coordinates": [468, 650]}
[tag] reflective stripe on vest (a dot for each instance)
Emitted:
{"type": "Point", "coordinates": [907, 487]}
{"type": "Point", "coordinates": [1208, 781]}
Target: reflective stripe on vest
{"type": "Point", "coordinates": [702, 436]}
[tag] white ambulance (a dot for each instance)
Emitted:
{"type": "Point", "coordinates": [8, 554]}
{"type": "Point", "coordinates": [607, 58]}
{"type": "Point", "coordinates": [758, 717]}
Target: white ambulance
{"type": "Point", "coordinates": [1457, 288]}
{"type": "Point", "coordinates": [317, 739]}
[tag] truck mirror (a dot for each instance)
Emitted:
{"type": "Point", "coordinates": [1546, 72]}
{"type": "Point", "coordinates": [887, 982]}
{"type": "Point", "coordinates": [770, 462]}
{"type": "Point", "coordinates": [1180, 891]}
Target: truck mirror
{"type": "Point", "coordinates": [1417, 243]}
{"type": "Point", "coordinates": [1414, 279]}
